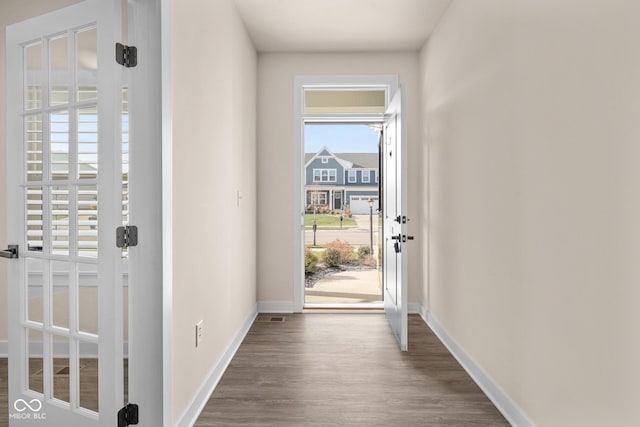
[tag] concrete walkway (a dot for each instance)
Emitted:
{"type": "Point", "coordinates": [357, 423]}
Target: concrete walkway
{"type": "Point", "coordinates": [346, 287]}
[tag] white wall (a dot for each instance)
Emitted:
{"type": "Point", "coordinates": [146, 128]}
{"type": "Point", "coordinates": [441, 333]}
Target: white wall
{"type": "Point", "coordinates": [214, 250]}
{"type": "Point", "coordinates": [530, 113]}
{"type": "Point", "coordinates": [11, 12]}
{"type": "Point", "coordinates": [276, 73]}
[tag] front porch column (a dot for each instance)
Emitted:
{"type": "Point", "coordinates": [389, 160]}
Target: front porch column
{"type": "Point", "coordinates": [330, 200]}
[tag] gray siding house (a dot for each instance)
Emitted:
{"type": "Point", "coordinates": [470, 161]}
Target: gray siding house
{"type": "Point", "coordinates": [336, 181]}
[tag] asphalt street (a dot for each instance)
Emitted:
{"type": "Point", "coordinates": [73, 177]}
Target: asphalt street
{"type": "Point", "coordinates": [359, 236]}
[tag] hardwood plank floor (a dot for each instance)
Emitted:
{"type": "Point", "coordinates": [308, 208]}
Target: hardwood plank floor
{"type": "Point", "coordinates": [88, 383]}
{"type": "Point", "coordinates": [338, 369]}
{"type": "Point", "coordinates": [4, 393]}
{"type": "Point", "coordinates": [345, 369]}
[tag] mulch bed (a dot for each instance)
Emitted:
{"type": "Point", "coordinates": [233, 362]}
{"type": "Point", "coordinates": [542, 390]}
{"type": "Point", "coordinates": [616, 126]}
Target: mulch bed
{"type": "Point", "coordinates": [310, 279]}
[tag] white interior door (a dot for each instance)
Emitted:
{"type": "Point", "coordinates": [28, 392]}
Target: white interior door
{"type": "Point", "coordinates": [393, 152]}
{"type": "Point", "coordinates": [65, 138]}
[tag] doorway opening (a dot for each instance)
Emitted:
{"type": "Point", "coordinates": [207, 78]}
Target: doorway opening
{"type": "Point", "coordinates": [341, 226]}
{"type": "Point", "coordinates": [332, 100]}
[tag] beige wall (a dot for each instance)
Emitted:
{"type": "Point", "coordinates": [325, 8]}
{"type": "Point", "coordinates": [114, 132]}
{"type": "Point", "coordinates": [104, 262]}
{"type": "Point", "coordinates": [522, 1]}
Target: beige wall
{"type": "Point", "coordinates": [276, 73]}
{"type": "Point", "coordinates": [11, 12]}
{"type": "Point", "coordinates": [214, 250]}
{"type": "Point", "coordinates": [530, 114]}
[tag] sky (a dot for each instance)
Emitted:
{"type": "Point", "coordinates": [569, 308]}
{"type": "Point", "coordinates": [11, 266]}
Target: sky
{"type": "Point", "coordinates": [346, 138]}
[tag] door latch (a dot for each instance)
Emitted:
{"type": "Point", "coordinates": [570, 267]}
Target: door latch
{"type": "Point", "coordinates": [12, 252]}
{"type": "Point", "coordinates": [396, 244]}
{"type": "Point", "coordinates": [401, 219]}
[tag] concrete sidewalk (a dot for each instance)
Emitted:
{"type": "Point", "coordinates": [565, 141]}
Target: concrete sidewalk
{"type": "Point", "coordinates": [362, 222]}
{"type": "Point", "coordinates": [351, 286]}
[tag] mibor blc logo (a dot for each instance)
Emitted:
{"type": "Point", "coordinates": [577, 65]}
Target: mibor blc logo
{"type": "Point", "coordinates": [28, 410]}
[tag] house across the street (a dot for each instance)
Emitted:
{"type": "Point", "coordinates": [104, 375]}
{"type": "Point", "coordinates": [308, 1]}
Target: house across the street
{"type": "Point", "coordinates": [336, 181]}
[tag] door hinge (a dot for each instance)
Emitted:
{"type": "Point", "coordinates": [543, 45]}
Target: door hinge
{"type": "Point", "coordinates": [127, 236]}
{"type": "Point", "coordinates": [126, 55]}
{"type": "Point", "coordinates": [128, 415]}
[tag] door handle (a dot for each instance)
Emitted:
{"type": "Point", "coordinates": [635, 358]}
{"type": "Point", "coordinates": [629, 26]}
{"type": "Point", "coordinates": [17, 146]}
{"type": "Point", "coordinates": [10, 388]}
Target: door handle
{"type": "Point", "coordinates": [11, 252]}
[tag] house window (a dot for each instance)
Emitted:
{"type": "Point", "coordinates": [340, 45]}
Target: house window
{"type": "Point", "coordinates": [366, 176]}
{"type": "Point", "coordinates": [325, 159]}
{"type": "Point", "coordinates": [319, 199]}
{"type": "Point", "coordinates": [353, 177]}
{"type": "Point", "coordinates": [376, 172]}
{"type": "Point", "coordinates": [324, 175]}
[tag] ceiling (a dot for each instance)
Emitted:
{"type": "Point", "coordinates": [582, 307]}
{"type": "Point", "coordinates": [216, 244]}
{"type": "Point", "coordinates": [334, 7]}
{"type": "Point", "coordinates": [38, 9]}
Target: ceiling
{"type": "Point", "coordinates": [340, 25]}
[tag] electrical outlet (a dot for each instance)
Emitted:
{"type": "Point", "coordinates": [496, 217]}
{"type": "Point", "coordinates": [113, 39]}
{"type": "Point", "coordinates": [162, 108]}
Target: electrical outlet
{"type": "Point", "coordinates": [199, 333]}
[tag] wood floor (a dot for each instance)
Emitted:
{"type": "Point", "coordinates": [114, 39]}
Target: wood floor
{"type": "Point", "coordinates": [88, 371]}
{"type": "Point", "coordinates": [338, 370]}
{"type": "Point", "coordinates": [345, 369]}
{"type": "Point", "coordinates": [4, 393]}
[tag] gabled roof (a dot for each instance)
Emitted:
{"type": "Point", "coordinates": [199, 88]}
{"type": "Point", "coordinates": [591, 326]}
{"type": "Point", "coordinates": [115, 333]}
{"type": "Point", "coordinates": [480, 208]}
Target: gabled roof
{"type": "Point", "coordinates": [361, 160]}
{"type": "Point", "coordinates": [324, 151]}
{"type": "Point", "coordinates": [356, 160]}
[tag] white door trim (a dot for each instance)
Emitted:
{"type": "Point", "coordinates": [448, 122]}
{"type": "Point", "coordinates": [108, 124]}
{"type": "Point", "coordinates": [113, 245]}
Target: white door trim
{"type": "Point", "coordinates": [146, 356]}
{"type": "Point", "coordinates": [167, 211]}
{"type": "Point", "coordinates": [389, 83]}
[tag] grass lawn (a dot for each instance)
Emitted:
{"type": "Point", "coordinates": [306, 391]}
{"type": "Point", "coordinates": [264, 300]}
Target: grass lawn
{"type": "Point", "coordinates": [328, 221]}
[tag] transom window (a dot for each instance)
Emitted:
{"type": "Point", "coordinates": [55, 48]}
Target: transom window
{"type": "Point", "coordinates": [325, 175]}
{"type": "Point", "coordinates": [352, 176]}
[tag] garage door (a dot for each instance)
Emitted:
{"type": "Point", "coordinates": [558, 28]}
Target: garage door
{"type": "Point", "coordinates": [360, 204]}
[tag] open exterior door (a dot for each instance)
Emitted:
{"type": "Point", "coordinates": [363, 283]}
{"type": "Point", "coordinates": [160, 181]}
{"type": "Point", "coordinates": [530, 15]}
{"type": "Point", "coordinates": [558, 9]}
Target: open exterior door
{"type": "Point", "coordinates": [394, 208]}
{"type": "Point", "coordinates": [66, 179]}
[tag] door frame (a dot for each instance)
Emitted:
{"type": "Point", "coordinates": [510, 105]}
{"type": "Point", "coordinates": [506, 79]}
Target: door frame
{"type": "Point", "coordinates": [389, 83]}
{"type": "Point", "coordinates": [146, 374]}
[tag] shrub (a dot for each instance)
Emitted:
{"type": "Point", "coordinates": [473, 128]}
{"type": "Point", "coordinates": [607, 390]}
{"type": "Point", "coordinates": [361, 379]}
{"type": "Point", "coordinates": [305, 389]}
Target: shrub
{"type": "Point", "coordinates": [364, 250]}
{"type": "Point", "coordinates": [347, 212]}
{"type": "Point", "coordinates": [345, 248]}
{"type": "Point", "coordinates": [332, 257]}
{"type": "Point", "coordinates": [369, 261]}
{"type": "Point", "coordinates": [310, 261]}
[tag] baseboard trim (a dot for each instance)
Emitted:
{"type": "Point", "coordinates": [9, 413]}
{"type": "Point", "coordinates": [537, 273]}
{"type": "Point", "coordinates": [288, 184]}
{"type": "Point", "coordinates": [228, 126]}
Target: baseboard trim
{"type": "Point", "coordinates": [275, 307]}
{"type": "Point", "coordinates": [191, 414]}
{"type": "Point", "coordinates": [509, 409]}
{"type": "Point", "coordinates": [414, 308]}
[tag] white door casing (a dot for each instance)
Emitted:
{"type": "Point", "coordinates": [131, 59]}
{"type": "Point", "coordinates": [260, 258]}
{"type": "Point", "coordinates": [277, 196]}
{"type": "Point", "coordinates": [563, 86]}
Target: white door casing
{"type": "Point", "coordinates": [394, 176]}
{"type": "Point", "coordinates": [388, 83]}
{"type": "Point", "coordinates": [64, 178]}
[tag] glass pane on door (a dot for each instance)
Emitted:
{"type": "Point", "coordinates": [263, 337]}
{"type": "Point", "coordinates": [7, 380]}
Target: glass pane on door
{"type": "Point", "coordinates": [59, 70]}
{"type": "Point", "coordinates": [34, 220]}
{"type": "Point", "coordinates": [33, 76]}
{"type": "Point", "coordinates": [59, 150]}
{"type": "Point", "coordinates": [34, 290]}
{"type": "Point", "coordinates": [86, 64]}
{"type": "Point", "coordinates": [33, 146]}
{"type": "Point", "coordinates": [60, 368]}
{"type": "Point", "coordinates": [60, 293]}
{"type": "Point", "coordinates": [35, 367]}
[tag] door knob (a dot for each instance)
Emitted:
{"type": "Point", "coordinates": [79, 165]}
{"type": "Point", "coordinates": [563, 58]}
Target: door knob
{"type": "Point", "coordinates": [11, 252]}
